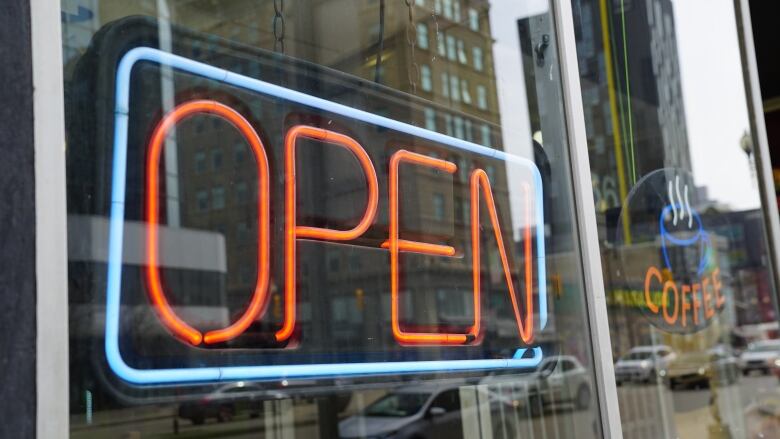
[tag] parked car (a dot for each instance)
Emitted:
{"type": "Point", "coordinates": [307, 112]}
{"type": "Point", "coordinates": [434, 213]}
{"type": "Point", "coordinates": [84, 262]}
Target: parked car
{"type": "Point", "coordinates": [558, 380]}
{"type": "Point", "coordinates": [699, 369]}
{"type": "Point", "coordinates": [226, 402]}
{"type": "Point", "coordinates": [643, 363]}
{"type": "Point", "coordinates": [760, 356]}
{"type": "Point", "coordinates": [422, 411]}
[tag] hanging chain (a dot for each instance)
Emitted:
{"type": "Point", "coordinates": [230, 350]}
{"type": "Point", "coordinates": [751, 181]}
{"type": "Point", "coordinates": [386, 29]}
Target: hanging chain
{"type": "Point", "coordinates": [411, 38]}
{"type": "Point", "coordinates": [278, 25]}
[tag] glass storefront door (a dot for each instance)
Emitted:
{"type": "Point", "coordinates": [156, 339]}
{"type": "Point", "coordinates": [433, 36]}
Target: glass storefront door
{"type": "Point", "coordinates": [686, 258]}
{"type": "Point", "coordinates": [323, 218]}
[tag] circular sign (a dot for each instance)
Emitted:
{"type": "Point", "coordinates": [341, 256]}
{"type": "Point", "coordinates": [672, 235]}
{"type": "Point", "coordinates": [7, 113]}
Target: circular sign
{"type": "Point", "coordinates": [666, 253]}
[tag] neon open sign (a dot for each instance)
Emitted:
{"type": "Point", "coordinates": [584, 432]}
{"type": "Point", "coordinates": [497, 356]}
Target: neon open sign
{"type": "Point", "coordinates": [528, 303]}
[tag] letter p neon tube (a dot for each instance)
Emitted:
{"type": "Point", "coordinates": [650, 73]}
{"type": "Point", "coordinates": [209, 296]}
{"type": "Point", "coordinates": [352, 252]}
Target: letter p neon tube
{"type": "Point", "coordinates": [292, 231]}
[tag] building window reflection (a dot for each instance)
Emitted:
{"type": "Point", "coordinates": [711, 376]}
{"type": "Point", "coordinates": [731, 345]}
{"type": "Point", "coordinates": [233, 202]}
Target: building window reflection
{"type": "Point", "coordinates": [448, 9]}
{"type": "Point", "coordinates": [462, 58]}
{"type": "Point", "coordinates": [438, 206]}
{"type": "Point", "coordinates": [202, 200]}
{"type": "Point", "coordinates": [458, 124]}
{"type": "Point", "coordinates": [425, 78]}
{"type": "Point", "coordinates": [452, 51]}
{"type": "Point", "coordinates": [481, 97]}
{"type": "Point", "coordinates": [474, 19]}
{"type": "Point", "coordinates": [445, 84]}
{"type": "Point", "coordinates": [476, 55]}
{"type": "Point", "coordinates": [200, 162]}
{"type": "Point", "coordinates": [430, 119]}
{"type": "Point", "coordinates": [242, 194]}
{"type": "Point", "coordinates": [422, 35]}
{"type": "Point", "coordinates": [218, 198]}
{"type": "Point", "coordinates": [448, 124]}
{"type": "Point", "coordinates": [485, 129]}
{"type": "Point", "coordinates": [454, 88]}
{"type": "Point", "coordinates": [239, 153]}
{"type": "Point", "coordinates": [216, 159]}
{"type": "Point", "coordinates": [464, 89]}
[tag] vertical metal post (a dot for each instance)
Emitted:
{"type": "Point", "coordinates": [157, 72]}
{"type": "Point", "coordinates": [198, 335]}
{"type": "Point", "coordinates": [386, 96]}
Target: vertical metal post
{"type": "Point", "coordinates": [51, 267]}
{"type": "Point", "coordinates": [586, 220]}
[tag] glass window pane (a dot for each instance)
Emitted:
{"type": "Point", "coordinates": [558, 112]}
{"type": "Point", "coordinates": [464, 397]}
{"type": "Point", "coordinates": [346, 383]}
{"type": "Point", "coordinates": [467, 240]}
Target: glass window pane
{"type": "Point", "coordinates": [691, 299]}
{"type": "Point", "coordinates": [322, 234]}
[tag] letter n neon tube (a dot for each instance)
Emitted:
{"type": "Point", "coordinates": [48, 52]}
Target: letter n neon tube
{"type": "Point", "coordinates": [293, 232]}
{"type": "Point", "coordinates": [155, 289]}
{"type": "Point", "coordinates": [524, 326]}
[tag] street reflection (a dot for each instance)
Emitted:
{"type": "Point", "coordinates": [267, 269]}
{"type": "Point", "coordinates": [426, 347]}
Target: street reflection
{"type": "Point", "coordinates": [507, 406]}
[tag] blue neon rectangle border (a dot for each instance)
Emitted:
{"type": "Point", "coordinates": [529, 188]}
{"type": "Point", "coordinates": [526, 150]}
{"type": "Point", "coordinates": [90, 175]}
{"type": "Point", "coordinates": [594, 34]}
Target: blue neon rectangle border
{"type": "Point", "coordinates": [230, 373]}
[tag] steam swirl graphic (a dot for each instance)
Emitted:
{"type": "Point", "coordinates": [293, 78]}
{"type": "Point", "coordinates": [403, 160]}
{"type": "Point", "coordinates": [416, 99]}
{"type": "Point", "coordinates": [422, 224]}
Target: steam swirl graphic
{"type": "Point", "coordinates": [683, 205]}
{"type": "Point", "coordinates": [680, 208]}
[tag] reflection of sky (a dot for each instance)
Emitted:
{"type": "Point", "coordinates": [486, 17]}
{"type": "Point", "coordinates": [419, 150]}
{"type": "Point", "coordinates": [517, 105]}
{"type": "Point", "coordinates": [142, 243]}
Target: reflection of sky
{"type": "Point", "coordinates": [712, 84]}
{"type": "Point", "coordinates": [512, 98]}
{"type": "Point", "coordinates": [714, 98]}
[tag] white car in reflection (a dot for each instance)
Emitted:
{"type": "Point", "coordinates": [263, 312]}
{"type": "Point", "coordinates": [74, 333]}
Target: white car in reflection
{"type": "Point", "coordinates": [421, 411]}
{"type": "Point", "coordinates": [559, 379]}
{"type": "Point", "coordinates": [699, 369]}
{"type": "Point", "coordinates": [643, 364]}
{"type": "Point", "coordinates": [760, 356]}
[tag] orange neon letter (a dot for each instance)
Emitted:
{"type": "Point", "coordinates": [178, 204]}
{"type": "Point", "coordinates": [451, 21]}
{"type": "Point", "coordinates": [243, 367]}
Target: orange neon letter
{"type": "Point", "coordinates": [156, 293]}
{"type": "Point", "coordinates": [396, 245]}
{"type": "Point", "coordinates": [526, 330]}
{"type": "Point", "coordinates": [709, 312]}
{"type": "Point", "coordinates": [695, 288]}
{"type": "Point", "coordinates": [292, 231]}
{"type": "Point", "coordinates": [686, 289]}
{"type": "Point", "coordinates": [670, 286]}
{"type": "Point", "coordinates": [652, 272]}
{"type": "Point", "coordinates": [717, 285]}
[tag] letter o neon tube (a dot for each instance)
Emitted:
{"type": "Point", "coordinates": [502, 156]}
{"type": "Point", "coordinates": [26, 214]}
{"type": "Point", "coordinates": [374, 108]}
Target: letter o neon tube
{"type": "Point", "coordinates": [155, 289]}
{"type": "Point", "coordinates": [670, 286]}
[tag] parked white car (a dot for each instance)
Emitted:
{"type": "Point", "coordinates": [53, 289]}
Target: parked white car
{"type": "Point", "coordinates": [701, 368]}
{"type": "Point", "coordinates": [421, 411]}
{"type": "Point", "coordinates": [760, 356]}
{"type": "Point", "coordinates": [559, 379]}
{"type": "Point", "coordinates": [643, 364]}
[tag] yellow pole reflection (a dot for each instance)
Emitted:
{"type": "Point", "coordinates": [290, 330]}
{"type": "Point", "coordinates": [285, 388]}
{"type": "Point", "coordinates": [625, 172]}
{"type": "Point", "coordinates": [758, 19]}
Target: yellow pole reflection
{"type": "Point", "coordinates": [616, 135]}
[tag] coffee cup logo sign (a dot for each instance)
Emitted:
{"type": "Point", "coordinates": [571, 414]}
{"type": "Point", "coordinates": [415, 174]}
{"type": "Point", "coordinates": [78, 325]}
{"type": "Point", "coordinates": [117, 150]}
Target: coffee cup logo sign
{"type": "Point", "coordinates": [670, 253]}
